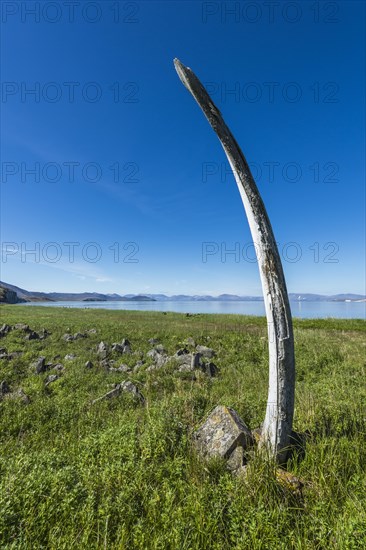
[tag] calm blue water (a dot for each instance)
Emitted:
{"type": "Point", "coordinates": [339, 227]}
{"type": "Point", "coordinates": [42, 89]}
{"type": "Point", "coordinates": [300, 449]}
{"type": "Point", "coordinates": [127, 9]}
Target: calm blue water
{"type": "Point", "coordinates": [305, 310]}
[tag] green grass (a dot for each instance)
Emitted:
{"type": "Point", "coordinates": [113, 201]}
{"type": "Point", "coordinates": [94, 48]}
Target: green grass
{"type": "Point", "coordinates": [117, 474]}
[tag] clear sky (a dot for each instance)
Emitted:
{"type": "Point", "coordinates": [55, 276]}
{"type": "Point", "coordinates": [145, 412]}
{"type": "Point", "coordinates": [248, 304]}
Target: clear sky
{"type": "Point", "coordinates": [112, 179]}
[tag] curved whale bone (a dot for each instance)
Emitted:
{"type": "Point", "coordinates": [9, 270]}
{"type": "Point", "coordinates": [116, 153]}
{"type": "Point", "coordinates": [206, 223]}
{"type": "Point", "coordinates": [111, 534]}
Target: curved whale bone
{"type": "Point", "coordinates": [277, 427]}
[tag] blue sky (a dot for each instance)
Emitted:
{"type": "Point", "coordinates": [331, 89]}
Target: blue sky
{"type": "Point", "coordinates": [111, 153]}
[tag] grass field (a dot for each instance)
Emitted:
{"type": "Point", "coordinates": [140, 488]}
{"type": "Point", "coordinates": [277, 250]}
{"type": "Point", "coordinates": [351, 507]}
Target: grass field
{"type": "Point", "coordinates": [119, 474]}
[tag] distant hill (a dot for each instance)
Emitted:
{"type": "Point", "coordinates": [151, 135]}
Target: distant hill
{"type": "Point", "coordinates": [32, 296]}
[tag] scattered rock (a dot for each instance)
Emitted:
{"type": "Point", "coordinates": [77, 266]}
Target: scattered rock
{"type": "Point", "coordinates": [51, 378]}
{"type": "Point", "coordinates": [153, 341]}
{"type": "Point", "coordinates": [221, 434]}
{"type": "Point", "coordinates": [153, 354]}
{"type": "Point", "coordinates": [160, 348]}
{"type": "Point", "coordinates": [43, 333]}
{"type": "Point", "coordinates": [88, 365]}
{"type": "Point", "coordinates": [79, 335]}
{"type": "Point", "coordinates": [40, 365]}
{"type": "Point", "coordinates": [102, 350]}
{"type": "Point", "coordinates": [209, 368]}
{"type": "Point", "coordinates": [185, 359]}
{"type": "Point", "coordinates": [70, 357]}
{"type": "Point", "coordinates": [4, 330]}
{"type": "Point", "coordinates": [117, 347]}
{"type": "Point", "coordinates": [196, 360]}
{"type": "Point", "coordinates": [106, 364]}
{"type": "Point", "coordinates": [59, 367]}
{"type": "Point", "coordinates": [180, 352]}
{"type": "Point", "coordinates": [92, 331]}
{"type": "Point", "coordinates": [186, 368]}
{"type": "Point", "coordinates": [22, 326]}
{"type": "Point", "coordinates": [68, 337]}
{"type": "Point", "coordinates": [205, 351]}
{"type": "Point", "coordinates": [32, 335]}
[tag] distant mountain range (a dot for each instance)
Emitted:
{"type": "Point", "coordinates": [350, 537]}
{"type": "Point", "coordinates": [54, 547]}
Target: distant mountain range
{"type": "Point", "coordinates": [13, 294]}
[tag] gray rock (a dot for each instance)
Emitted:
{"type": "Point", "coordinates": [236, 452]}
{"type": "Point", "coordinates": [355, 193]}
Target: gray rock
{"type": "Point", "coordinates": [68, 337]}
{"type": "Point", "coordinates": [117, 347]}
{"type": "Point", "coordinates": [153, 354]}
{"type": "Point", "coordinates": [59, 367]}
{"type": "Point", "coordinates": [32, 335]}
{"type": "Point", "coordinates": [180, 352]}
{"type": "Point", "coordinates": [196, 360]}
{"type": "Point", "coordinates": [235, 462]}
{"type": "Point", "coordinates": [88, 365]}
{"type": "Point", "coordinates": [221, 433]}
{"type": "Point", "coordinates": [209, 368]}
{"type": "Point", "coordinates": [5, 329]}
{"type": "Point", "coordinates": [40, 365]}
{"type": "Point", "coordinates": [22, 326]}
{"type": "Point", "coordinates": [51, 378]}
{"type": "Point", "coordinates": [123, 368]}
{"type": "Point", "coordinates": [92, 331]}
{"type": "Point", "coordinates": [4, 388]}
{"type": "Point", "coordinates": [186, 368]}
{"type": "Point", "coordinates": [79, 335]}
{"type": "Point", "coordinates": [185, 359]}
{"type": "Point", "coordinates": [70, 357]}
{"type": "Point", "coordinates": [125, 342]}
{"type": "Point", "coordinates": [43, 333]}
{"type": "Point", "coordinates": [160, 348]}
{"type": "Point", "coordinates": [205, 351]}
{"type": "Point", "coordinates": [102, 350]}
{"type": "Point", "coordinates": [106, 364]}
{"type": "Point", "coordinates": [153, 341]}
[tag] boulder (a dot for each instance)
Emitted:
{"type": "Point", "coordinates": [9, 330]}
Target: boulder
{"type": "Point", "coordinates": [221, 434]}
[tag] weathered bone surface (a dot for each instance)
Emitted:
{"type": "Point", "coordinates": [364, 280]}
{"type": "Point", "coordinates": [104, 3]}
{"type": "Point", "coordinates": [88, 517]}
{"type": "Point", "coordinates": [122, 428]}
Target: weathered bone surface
{"type": "Point", "coordinates": [277, 427]}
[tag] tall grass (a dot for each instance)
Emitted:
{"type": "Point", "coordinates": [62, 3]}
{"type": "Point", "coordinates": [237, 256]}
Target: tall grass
{"type": "Point", "coordinates": [117, 474]}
